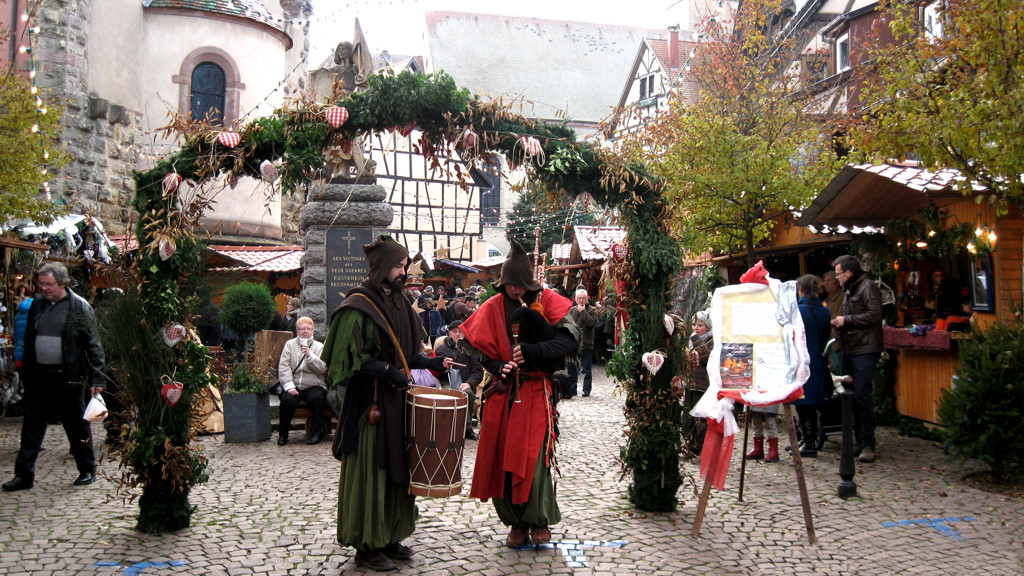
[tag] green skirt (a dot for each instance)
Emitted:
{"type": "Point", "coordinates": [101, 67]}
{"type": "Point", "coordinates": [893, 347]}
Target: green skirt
{"type": "Point", "coordinates": [541, 509]}
{"type": "Point", "coordinates": [372, 513]}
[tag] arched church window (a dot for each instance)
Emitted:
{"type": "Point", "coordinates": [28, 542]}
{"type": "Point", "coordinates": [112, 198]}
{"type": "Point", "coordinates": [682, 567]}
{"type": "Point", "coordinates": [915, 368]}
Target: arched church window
{"type": "Point", "coordinates": [208, 91]}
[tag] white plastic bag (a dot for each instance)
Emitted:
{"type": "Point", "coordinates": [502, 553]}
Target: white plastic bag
{"type": "Point", "coordinates": [96, 411]}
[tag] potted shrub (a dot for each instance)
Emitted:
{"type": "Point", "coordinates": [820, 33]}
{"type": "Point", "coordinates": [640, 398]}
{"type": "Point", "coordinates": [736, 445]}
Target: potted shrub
{"type": "Point", "coordinates": [246, 405]}
{"type": "Point", "coordinates": [247, 308]}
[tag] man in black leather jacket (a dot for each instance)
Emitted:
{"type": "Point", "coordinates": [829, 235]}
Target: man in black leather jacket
{"type": "Point", "coordinates": [860, 338]}
{"type": "Point", "coordinates": [63, 360]}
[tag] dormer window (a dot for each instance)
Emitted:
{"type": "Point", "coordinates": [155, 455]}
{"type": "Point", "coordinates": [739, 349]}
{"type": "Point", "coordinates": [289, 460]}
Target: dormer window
{"type": "Point", "coordinates": [647, 87]}
{"type": "Point", "coordinates": [843, 52]}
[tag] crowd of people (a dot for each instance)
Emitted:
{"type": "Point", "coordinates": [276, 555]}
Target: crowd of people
{"type": "Point", "coordinates": [502, 355]}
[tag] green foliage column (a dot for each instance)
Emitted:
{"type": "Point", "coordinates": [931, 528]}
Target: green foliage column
{"type": "Point", "coordinates": [161, 455]}
{"type": "Point", "coordinates": [652, 409]}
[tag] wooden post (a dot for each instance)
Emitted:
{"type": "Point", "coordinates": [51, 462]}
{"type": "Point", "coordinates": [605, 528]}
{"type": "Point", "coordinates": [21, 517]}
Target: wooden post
{"type": "Point", "coordinates": [743, 453]}
{"type": "Point", "coordinates": [798, 467]}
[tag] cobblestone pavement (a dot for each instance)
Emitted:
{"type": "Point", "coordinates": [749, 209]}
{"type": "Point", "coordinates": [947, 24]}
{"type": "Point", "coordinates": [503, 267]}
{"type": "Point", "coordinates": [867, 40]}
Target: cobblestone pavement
{"type": "Point", "coordinates": [271, 510]}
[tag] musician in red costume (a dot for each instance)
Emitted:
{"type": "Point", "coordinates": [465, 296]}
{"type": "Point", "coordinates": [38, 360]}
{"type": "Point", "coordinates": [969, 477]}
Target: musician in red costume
{"type": "Point", "coordinates": [521, 335]}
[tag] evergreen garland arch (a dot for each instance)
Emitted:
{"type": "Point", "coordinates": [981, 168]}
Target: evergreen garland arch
{"type": "Point", "coordinates": [294, 138]}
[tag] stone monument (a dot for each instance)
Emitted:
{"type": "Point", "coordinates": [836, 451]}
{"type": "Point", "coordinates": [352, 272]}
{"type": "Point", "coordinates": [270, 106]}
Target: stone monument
{"type": "Point", "coordinates": [337, 219]}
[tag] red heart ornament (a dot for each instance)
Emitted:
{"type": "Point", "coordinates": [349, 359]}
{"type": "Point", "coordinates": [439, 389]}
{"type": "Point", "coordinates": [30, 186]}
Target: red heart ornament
{"type": "Point", "coordinates": [336, 115]}
{"type": "Point", "coordinates": [229, 139]}
{"type": "Point", "coordinates": [406, 130]}
{"type": "Point", "coordinates": [469, 138]}
{"type": "Point", "coordinates": [171, 393]}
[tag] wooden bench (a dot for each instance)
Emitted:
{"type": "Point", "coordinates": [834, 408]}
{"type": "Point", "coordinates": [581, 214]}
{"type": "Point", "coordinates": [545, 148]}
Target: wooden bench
{"type": "Point", "coordinates": [303, 411]}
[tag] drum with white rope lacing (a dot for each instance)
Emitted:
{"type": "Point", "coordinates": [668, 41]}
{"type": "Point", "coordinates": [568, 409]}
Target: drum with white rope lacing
{"type": "Point", "coordinates": [436, 430]}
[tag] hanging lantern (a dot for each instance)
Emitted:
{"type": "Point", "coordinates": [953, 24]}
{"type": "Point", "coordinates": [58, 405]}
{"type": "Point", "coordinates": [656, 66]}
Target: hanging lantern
{"type": "Point", "coordinates": [336, 116]}
{"type": "Point", "coordinates": [229, 139]}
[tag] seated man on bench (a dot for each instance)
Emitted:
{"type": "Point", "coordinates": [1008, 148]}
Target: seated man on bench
{"type": "Point", "coordinates": [301, 373]}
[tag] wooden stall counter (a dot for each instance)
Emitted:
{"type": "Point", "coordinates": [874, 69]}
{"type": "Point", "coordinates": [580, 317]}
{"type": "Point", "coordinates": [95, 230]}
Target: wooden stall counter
{"type": "Point", "coordinates": [925, 365]}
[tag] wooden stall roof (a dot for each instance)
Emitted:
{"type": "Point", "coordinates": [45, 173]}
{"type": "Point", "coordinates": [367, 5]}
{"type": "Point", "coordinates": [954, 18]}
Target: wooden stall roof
{"type": "Point", "coordinates": [870, 195]}
{"type": "Point", "coordinates": [22, 244]}
{"type": "Point", "coordinates": [595, 242]}
{"type": "Point", "coordinates": [263, 258]}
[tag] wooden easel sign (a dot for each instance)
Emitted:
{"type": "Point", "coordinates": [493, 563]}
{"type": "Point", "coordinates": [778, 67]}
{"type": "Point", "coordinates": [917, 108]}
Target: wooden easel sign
{"type": "Point", "coordinates": [759, 358]}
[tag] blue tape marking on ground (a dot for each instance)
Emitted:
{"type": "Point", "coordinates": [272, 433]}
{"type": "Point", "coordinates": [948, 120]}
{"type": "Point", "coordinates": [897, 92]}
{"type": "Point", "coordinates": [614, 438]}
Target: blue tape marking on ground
{"type": "Point", "coordinates": [940, 524]}
{"type": "Point", "coordinates": [140, 567]}
{"type": "Point", "coordinates": [573, 550]}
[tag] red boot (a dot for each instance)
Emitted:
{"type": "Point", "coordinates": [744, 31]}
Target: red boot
{"type": "Point", "coordinates": [758, 452]}
{"type": "Point", "coordinates": [773, 450]}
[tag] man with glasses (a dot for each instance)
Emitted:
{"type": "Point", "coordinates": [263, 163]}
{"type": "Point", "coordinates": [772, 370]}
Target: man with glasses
{"type": "Point", "coordinates": [63, 359]}
{"type": "Point", "coordinates": [860, 338]}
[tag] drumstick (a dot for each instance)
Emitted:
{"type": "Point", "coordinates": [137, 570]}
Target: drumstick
{"type": "Point", "coordinates": [457, 364]}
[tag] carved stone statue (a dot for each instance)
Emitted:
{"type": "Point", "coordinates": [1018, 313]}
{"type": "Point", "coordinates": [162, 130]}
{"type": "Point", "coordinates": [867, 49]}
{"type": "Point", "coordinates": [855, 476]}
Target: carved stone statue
{"type": "Point", "coordinates": [354, 67]}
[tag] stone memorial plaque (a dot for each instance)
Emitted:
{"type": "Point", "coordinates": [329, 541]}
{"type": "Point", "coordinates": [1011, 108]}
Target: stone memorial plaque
{"type": "Point", "coordinates": [346, 262]}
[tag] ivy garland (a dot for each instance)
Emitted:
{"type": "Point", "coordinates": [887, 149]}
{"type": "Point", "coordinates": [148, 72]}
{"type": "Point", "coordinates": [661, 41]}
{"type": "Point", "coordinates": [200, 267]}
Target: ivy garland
{"type": "Point", "coordinates": [450, 120]}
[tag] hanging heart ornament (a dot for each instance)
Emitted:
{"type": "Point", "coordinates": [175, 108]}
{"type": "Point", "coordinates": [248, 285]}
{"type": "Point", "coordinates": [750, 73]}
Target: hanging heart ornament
{"type": "Point", "coordinates": [653, 361]}
{"type": "Point", "coordinates": [171, 182]}
{"type": "Point", "coordinates": [170, 391]}
{"type": "Point", "coordinates": [531, 146]}
{"type": "Point", "coordinates": [336, 115]}
{"type": "Point", "coordinates": [166, 248]}
{"type": "Point", "coordinates": [268, 171]}
{"type": "Point", "coordinates": [173, 333]}
{"type": "Point", "coordinates": [229, 139]}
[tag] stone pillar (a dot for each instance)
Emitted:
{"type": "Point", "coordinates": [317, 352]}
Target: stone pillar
{"type": "Point", "coordinates": [343, 208]}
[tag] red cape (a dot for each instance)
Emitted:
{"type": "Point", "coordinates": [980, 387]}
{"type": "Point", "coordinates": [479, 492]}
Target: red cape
{"type": "Point", "coordinates": [505, 447]}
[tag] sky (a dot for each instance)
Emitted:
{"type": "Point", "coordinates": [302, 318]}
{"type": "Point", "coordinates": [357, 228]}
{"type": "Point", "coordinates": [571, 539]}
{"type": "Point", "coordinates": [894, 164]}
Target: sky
{"type": "Point", "coordinates": [398, 25]}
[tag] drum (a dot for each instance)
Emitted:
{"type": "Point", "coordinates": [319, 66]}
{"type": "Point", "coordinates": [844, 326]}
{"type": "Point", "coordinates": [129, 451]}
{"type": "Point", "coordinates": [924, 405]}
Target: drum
{"type": "Point", "coordinates": [436, 430]}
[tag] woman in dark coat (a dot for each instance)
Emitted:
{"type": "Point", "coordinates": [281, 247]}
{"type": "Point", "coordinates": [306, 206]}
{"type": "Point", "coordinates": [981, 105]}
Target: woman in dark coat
{"type": "Point", "coordinates": [816, 324]}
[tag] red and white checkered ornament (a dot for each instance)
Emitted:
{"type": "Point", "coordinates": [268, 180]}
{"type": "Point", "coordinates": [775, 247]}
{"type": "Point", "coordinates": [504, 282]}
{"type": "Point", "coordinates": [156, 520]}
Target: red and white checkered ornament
{"type": "Point", "coordinates": [229, 139]}
{"type": "Point", "coordinates": [336, 115]}
{"type": "Point", "coordinates": [531, 146]}
{"type": "Point", "coordinates": [172, 334]}
{"type": "Point", "coordinates": [171, 182]}
{"type": "Point", "coordinates": [653, 361]}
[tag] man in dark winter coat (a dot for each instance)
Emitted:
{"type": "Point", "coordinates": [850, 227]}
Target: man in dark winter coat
{"type": "Point", "coordinates": [373, 342]}
{"type": "Point", "coordinates": [471, 373]}
{"type": "Point", "coordinates": [584, 315]}
{"type": "Point", "coordinates": [62, 364]}
{"type": "Point", "coordinates": [860, 338]}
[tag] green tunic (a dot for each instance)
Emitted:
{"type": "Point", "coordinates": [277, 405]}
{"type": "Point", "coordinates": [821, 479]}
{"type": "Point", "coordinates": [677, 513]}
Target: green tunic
{"type": "Point", "coordinates": [372, 512]}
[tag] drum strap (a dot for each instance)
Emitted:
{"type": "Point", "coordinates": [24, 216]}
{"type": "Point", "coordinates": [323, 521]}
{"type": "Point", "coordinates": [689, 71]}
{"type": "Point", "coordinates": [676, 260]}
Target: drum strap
{"type": "Point", "coordinates": [394, 339]}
